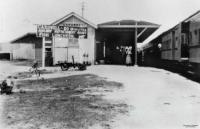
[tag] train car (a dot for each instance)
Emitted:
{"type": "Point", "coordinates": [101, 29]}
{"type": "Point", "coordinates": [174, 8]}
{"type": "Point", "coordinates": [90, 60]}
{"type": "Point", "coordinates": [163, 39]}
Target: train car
{"type": "Point", "coordinates": [151, 53]}
{"type": "Point", "coordinates": [194, 42]}
{"type": "Point", "coordinates": [180, 46]}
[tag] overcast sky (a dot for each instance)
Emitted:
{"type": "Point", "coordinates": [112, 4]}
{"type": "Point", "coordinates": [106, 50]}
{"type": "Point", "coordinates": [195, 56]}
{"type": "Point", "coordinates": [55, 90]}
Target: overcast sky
{"type": "Point", "coordinates": [18, 17]}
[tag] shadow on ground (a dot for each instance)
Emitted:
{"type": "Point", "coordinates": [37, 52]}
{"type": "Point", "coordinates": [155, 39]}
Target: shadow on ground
{"type": "Point", "coordinates": [183, 71]}
{"type": "Point", "coordinates": [22, 62]}
{"type": "Point", "coordinates": [29, 74]}
{"type": "Point", "coordinates": [70, 102]}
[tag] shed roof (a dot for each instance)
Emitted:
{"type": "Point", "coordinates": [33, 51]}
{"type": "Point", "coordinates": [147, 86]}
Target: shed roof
{"type": "Point", "coordinates": [145, 29]}
{"type": "Point", "coordinates": [129, 22]}
{"type": "Point", "coordinates": [26, 38]}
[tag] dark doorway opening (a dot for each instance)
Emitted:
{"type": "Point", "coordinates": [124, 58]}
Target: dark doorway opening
{"type": "Point", "coordinates": [112, 43]}
{"type": "Point", "coordinates": [48, 57]}
{"type": "Point", "coordinates": [4, 56]}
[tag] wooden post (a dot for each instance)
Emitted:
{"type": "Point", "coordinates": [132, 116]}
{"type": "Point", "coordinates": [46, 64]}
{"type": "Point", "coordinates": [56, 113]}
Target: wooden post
{"type": "Point", "coordinates": [43, 52]}
{"type": "Point", "coordinates": [135, 54]}
{"type": "Point", "coordinates": [53, 48]}
{"type": "Point", "coordinates": [104, 49]}
{"type": "Point", "coordinates": [180, 41]}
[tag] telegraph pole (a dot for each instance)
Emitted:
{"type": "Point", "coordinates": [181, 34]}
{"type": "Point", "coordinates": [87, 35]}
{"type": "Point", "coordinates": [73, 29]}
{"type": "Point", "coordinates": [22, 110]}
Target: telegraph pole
{"type": "Point", "coordinates": [82, 8]}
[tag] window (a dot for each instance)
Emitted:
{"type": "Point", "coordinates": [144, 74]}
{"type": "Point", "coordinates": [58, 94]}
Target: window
{"type": "Point", "coordinates": [199, 36]}
{"type": "Point", "coordinates": [190, 38]}
{"type": "Point", "coordinates": [186, 39]}
{"type": "Point", "coordinates": [195, 32]}
{"type": "Point", "coordinates": [176, 38]}
{"type": "Point", "coordinates": [48, 49]}
{"type": "Point", "coordinates": [169, 43]}
{"type": "Point", "coordinates": [183, 39]}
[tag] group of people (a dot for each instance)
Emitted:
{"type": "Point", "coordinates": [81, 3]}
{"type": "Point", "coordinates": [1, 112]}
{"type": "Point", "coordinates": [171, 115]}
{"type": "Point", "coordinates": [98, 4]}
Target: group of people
{"type": "Point", "coordinates": [127, 54]}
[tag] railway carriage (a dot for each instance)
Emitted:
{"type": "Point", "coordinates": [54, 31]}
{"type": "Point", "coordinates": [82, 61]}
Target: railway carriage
{"type": "Point", "coordinates": [180, 46]}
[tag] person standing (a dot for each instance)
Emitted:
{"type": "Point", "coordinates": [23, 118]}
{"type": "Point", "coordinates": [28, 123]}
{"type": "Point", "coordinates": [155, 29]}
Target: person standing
{"type": "Point", "coordinates": [128, 56]}
{"type": "Point", "coordinates": [123, 54]}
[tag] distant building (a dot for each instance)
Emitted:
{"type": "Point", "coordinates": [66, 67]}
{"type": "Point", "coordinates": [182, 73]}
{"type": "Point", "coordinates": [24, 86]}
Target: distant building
{"type": "Point", "coordinates": [5, 51]}
{"type": "Point", "coordinates": [27, 47]}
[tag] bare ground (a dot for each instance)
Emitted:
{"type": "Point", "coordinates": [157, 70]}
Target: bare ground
{"type": "Point", "coordinates": [69, 102]}
{"type": "Point", "coordinates": [156, 98]}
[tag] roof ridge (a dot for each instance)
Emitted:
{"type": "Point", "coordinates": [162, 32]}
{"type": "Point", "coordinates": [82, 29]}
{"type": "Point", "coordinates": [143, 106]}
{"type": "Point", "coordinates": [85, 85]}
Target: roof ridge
{"type": "Point", "coordinates": [77, 16]}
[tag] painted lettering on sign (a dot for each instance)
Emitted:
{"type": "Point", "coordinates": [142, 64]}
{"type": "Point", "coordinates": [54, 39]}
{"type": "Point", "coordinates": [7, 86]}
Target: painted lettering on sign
{"type": "Point", "coordinates": [66, 31]}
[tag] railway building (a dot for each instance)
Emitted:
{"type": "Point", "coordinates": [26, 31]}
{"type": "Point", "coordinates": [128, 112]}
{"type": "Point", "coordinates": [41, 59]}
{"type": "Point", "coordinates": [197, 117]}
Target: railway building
{"type": "Point", "coordinates": [73, 35]}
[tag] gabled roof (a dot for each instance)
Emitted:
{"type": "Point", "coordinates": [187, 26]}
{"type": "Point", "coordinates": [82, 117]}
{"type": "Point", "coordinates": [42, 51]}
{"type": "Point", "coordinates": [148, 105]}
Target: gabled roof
{"type": "Point", "coordinates": [75, 15]}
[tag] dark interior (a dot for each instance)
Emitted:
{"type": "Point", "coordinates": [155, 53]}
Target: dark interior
{"type": "Point", "coordinates": [115, 40]}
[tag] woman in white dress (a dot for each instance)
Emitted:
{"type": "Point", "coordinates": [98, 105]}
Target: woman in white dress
{"type": "Point", "coordinates": [128, 57]}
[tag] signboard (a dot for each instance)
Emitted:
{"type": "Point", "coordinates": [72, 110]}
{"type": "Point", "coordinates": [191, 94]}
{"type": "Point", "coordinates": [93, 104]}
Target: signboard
{"type": "Point", "coordinates": [65, 31]}
{"type": "Point", "coordinates": [73, 43]}
{"type": "Point", "coordinates": [45, 30]}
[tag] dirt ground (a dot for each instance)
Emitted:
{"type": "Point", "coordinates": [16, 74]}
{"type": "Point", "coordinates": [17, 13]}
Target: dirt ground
{"type": "Point", "coordinates": [69, 102]}
{"type": "Point", "coordinates": [102, 97]}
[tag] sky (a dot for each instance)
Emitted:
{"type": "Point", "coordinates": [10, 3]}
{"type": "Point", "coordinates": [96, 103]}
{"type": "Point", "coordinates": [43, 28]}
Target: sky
{"type": "Point", "coordinates": [18, 17]}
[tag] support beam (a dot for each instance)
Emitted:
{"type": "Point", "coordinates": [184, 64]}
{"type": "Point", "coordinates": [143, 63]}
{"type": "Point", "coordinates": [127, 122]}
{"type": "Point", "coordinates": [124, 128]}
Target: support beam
{"type": "Point", "coordinates": [135, 46]}
{"type": "Point", "coordinates": [43, 52]}
{"type": "Point", "coordinates": [53, 48]}
{"type": "Point", "coordinates": [128, 26]}
{"type": "Point", "coordinates": [141, 32]}
{"type": "Point", "coordinates": [180, 39]}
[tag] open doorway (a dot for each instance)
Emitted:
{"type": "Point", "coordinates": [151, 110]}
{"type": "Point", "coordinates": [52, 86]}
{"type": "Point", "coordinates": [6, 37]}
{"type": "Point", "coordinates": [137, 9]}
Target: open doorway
{"type": "Point", "coordinates": [113, 43]}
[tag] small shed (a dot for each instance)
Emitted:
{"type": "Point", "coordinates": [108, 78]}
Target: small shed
{"type": "Point", "coordinates": [5, 51]}
{"type": "Point", "coordinates": [28, 47]}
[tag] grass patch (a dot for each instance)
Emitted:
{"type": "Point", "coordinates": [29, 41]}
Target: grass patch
{"type": "Point", "coordinates": [60, 103]}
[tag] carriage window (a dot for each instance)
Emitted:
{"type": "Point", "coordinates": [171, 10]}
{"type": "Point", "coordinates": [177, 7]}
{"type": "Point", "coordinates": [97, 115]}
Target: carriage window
{"type": "Point", "coordinates": [183, 39]}
{"type": "Point", "coordinates": [176, 38]}
{"type": "Point", "coordinates": [199, 36]}
{"type": "Point", "coordinates": [48, 49]}
{"type": "Point", "coordinates": [190, 38]}
{"type": "Point", "coordinates": [195, 32]}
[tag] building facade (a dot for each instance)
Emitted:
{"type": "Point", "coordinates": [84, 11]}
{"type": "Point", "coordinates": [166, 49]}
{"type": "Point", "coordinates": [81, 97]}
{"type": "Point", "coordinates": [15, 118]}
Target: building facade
{"type": "Point", "coordinates": [74, 36]}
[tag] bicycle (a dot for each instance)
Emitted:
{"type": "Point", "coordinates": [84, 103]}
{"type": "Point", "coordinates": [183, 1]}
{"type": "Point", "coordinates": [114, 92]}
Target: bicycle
{"type": "Point", "coordinates": [34, 69]}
